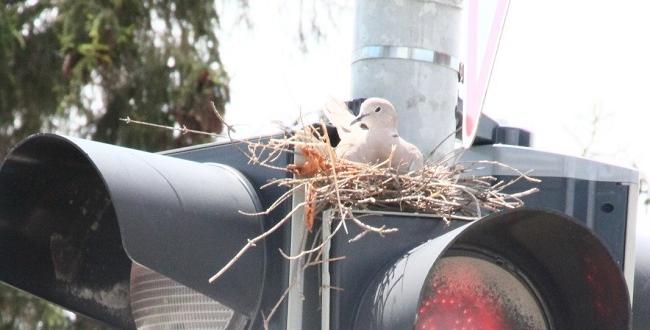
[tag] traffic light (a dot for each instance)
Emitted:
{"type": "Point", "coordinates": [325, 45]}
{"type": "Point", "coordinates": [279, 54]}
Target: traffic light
{"type": "Point", "coordinates": [74, 214]}
{"type": "Point", "coordinates": [522, 269]}
{"type": "Point", "coordinates": [116, 234]}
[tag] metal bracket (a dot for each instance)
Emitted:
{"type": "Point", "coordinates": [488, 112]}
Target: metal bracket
{"type": "Point", "coordinates": [410, 53]}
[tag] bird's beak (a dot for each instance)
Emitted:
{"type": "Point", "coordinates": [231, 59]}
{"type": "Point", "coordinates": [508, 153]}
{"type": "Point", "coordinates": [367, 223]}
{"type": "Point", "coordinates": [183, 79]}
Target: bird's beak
{"type": "Point", "coordinates": [358, 119]}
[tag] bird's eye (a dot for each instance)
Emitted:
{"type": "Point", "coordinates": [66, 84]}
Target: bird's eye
{"type": "Point", "coordinates": [378, 109]}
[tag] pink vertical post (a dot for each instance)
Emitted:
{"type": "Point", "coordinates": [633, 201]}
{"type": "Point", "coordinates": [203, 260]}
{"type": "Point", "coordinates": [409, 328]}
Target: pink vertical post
{"type": "Point", "coordinates": [477, 75]}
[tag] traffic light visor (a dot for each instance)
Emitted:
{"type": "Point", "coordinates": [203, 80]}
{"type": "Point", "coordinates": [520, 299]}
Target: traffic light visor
{"type": "Point", "coordinates": [75, 213]}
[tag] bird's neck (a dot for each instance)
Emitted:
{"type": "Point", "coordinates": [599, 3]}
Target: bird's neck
{"type": "Point", "coordinates": [384, 132]}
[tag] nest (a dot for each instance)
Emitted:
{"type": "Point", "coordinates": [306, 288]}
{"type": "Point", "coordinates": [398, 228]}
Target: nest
{"type": "Point", "coordinates": [438, 189]}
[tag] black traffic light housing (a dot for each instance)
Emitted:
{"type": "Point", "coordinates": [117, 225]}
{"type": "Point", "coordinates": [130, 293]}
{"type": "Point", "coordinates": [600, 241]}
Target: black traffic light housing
{"type": "Point", "coordinates": [74, 213]}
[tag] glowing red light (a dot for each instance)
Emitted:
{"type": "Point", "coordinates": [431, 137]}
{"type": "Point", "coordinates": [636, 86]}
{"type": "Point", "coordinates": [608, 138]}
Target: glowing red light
{"type": "Point", "coordinates": [475, 294]}
{"type": "Point", "coordinates": [460, 307]}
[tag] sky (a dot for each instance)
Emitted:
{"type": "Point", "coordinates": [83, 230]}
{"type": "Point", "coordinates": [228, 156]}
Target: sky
{"type": "Point", "coordinates": [561, 61]}
{"type": "Point", "coordinates": [272, 79]}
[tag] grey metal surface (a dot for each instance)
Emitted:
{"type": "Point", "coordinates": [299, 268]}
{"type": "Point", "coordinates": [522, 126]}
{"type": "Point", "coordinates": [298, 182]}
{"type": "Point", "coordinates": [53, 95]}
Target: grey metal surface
{"type": "Point", "coordinates": [423, 93]}
{"type": "Point", "coordinates": [296, 296]}
{"type": "Point", "coordinates": [548, 164]}
{"type": "Point", "coordinates": [601, 206]}
{"type": "Point", "coordinates": [641, 301]}
{"type": "Point", "coordinates": [631, 241]}
{"type": "Point", "coordinates": [408, 53]}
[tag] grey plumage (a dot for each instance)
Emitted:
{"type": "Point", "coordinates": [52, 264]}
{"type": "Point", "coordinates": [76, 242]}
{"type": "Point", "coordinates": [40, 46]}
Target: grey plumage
{"type": "Point", "coordinates": [370, 137]}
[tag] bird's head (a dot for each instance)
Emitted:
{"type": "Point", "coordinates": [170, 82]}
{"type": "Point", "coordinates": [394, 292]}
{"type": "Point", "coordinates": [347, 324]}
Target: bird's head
{"type": "Point", "coordinates": [376, 112]}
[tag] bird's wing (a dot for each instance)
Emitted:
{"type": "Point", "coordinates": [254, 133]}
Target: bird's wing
{"type": "Point", "coordinates": [351, 150]}
{"type": "Point", "coordinates": [409, 155]}
{"type": "Point", "coordinates": [418, 159]}
{"type": "Point", "coordinates": [339, 115]}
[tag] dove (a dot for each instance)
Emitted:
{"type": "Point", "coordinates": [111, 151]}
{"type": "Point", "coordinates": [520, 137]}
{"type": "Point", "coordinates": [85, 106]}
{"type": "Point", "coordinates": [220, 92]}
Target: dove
{"type": "Point", "coordinates": [370, 136]}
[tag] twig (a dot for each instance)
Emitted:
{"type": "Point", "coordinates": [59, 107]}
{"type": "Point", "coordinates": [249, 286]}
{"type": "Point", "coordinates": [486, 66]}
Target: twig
{"type": "Point", "coordinates": [230, 128]}
{"type": "Point", "coordinates": [252, 242]}
{"type": "Point", "coordinates": [183, 130]}
{"type": "Point", "coordinates": [367, 228]}
{"type": "Point", "coordinates": [314, 263]}
{"type": "Point", "coordinates": [332, 158]}
{"type": "Point", "coordinates": [317, 248]}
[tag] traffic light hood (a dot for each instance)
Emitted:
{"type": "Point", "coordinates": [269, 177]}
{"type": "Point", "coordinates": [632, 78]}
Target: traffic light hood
{"type": "Point", "coordinates": [74, 213]}
{"type": "Point", "coordinates": [563, 263]}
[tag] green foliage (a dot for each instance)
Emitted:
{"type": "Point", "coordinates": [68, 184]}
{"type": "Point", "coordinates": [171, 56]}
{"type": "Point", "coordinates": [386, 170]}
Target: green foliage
{"type": "Point", "coordinates": [76, 67]}
{"type": "Point", "coordinates": [20, 310]}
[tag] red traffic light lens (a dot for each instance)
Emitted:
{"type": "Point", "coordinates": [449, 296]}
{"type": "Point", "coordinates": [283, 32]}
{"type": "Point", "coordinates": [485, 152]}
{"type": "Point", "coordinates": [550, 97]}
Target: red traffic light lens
{"type": "Point", "coordinates": [465, 292]}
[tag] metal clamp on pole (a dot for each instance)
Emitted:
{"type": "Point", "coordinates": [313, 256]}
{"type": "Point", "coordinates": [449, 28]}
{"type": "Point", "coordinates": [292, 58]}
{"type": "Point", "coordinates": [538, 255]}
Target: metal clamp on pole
{"type": "Point", "coordinates": [410, 53]}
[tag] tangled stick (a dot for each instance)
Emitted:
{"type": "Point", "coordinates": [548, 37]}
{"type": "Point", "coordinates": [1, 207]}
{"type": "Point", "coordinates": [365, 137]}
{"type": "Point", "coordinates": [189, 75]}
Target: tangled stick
{"type": "Point", "coordinates": [449, 192]}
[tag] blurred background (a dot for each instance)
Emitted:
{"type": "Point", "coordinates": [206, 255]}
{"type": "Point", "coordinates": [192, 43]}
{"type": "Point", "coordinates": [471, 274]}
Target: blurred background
{"type": "Point", "coordinates": [573, 73]}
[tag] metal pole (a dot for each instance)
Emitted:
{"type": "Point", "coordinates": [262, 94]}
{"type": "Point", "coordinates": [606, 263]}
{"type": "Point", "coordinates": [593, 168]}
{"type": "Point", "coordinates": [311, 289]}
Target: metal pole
{"type": "Point", "coordinates": [407, 52]}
